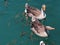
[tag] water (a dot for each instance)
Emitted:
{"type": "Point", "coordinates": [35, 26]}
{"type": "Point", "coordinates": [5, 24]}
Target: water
{"type": "Point", "coordinates": [11, 24]}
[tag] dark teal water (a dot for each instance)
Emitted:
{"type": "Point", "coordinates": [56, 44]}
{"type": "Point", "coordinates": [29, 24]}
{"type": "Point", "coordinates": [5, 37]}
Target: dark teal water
{"type": "Point", "coordinates": [13, 24]}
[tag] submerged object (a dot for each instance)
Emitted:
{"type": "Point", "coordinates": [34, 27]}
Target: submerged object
{"type": "Point", "coordinates": [22, 33]}
{"type": "Point", "coordinates": [39, 29]}
{"type": "Point", "coordinates": [6, 3]}
{"type": "Point", "coordinates": [42, 43]}
{"type": "Point", "coordinates": [35, 12]}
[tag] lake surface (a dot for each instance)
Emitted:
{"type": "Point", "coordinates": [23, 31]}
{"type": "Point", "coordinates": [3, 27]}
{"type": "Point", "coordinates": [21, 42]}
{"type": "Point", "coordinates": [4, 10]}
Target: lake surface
{"type": "Point", "coordinates": [13, 23]}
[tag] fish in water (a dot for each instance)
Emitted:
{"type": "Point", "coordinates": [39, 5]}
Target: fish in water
{"type": "Point", "coordinates": [35, 12]}
{"type": "Point", "coordinates": [39, 29]}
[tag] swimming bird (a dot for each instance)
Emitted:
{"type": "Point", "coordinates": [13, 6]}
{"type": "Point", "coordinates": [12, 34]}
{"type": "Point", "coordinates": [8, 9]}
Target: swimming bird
{"type": "Point", "coordinates": [42, 43]}
{"type": "Point", "coordinates": [35, 12]}
{"type": "Point", "coordinates": [39, 29]}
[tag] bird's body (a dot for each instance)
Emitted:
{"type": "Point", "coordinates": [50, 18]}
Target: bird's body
{"type": "Point", "coordinates": [39, 29]}
{"type": "Point", "coordinates": [34, 12]}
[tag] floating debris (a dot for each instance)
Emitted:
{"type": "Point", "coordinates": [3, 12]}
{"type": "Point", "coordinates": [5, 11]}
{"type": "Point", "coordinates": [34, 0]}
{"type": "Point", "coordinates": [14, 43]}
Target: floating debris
{"type": "Point", "coordinates": [13, 42]}
{"type": "Point", "coordinates": [28, 0]}
{"type": "Point", "coordinates": [21, 42]}
{"type": "Point", "coordinates": [17, 15]}
{"type": "Point", "coordinates": [31, 36]}
{"type": "Point", "coordinates": [22, 33]}
{"type": "Point", "coordinates": [35, 38]}
{"type": "Point", "coordinates": [17, 21]}
{"type": "Point", "coordinates": [7, 44]}
{"type": "Point", "coordinates": [53, 43]}
{"type": "Point", "coordinates": [10, 44]}
{"type": "Point", "coordinates": [9, 24]}
{"type": "Point", "coordinates": [32, 33]}
{"type": "Point", "coordinates": [6, 3]}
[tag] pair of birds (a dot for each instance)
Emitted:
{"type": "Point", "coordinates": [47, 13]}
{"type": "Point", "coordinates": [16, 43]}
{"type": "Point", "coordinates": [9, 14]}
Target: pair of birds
{"type": "Point", "coordinates": [36, 26]}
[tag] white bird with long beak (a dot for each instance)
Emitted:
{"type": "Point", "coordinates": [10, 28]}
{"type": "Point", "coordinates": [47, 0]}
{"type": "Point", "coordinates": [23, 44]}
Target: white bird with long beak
{"type": "Point", "coordinates": [35, 12]}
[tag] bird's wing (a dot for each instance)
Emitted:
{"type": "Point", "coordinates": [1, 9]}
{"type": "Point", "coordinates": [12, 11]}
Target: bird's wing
{"type": "Point", "coordinates": [49, 28]}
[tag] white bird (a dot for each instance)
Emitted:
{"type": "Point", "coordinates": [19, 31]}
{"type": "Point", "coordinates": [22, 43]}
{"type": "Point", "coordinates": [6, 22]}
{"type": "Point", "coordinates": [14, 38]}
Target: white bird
{"type": "Point", "coordinates": [42, 43]}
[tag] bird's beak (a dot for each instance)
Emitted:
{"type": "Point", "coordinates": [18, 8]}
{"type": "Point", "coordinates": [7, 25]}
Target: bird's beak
{"type": "Point", "coordinates": [44, 7]}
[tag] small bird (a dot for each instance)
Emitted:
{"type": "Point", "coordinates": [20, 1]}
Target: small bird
{"type": "Point", "coordinates": [42, 43]}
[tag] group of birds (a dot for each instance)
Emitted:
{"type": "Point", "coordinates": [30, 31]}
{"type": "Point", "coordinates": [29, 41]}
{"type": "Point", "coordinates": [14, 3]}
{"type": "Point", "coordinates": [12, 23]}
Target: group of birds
{"type": "Point", "coordinates": [36, 16]}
